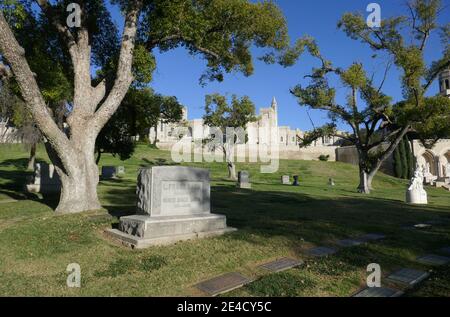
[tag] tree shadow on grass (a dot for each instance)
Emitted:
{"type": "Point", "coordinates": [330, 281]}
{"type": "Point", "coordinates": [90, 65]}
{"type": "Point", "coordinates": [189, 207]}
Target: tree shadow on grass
{"type": "Point", "coordinates": [297, 217]}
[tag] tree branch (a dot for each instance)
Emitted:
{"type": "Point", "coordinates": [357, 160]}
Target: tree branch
{"type": "Point", "coordinates": [64, 31]}
{"type": "Point", "coordinates": [179, 37]}
{"type": "Point", "coordinates": [124, 76]}
{"type": "Point", "coordinates": [34, 101]}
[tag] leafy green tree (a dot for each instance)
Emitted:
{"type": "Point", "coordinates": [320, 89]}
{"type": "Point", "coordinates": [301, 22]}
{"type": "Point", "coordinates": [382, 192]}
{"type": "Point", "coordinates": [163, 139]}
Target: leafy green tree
{"type": "Point", "coordinates": [221, 116]}
{"type": "Point", "coordinates": [365, 120]}
{"type": "Point", "coordinates": [404, 39]}
{"type": "Point", "coordinates": [140, 111]}
{"type": "Point", "coordinates": [220, 31]}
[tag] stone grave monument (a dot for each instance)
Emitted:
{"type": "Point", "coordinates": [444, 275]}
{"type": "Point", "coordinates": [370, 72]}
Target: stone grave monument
{"type": "Point", "coordinates": [286, 180]}
{"type": "Point", "coordinates": [173, 204]}
{"type": "Point", "coordinates": [296, 183]}
{"type": "Point", "coordinates": [244, 180]}
{"type": "Point", "coordinates": [45, 179]}
{"type": "Point", "coordinates": [416, 194]}
{"type": "Point", "coordinates": [331, 182]}
{"type": "Point", "coordinates": [109, 172]}
{"type": "Point", "coordinates": [120, 170]}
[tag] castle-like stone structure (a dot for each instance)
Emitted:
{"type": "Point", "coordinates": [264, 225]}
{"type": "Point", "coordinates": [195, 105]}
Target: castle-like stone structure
{"type": "Point", "coordinates": [260, 132]}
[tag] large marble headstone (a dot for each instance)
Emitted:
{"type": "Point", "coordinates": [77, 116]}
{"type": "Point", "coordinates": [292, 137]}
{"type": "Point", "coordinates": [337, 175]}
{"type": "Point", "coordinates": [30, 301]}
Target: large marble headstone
{"type": "Point", "coordinates": [173, 191]}
{"type": "Point", "coordinates": [173, 204]}
{"type": "Point", "coordinates": [45, 179]}
{"type": "Point", "coordinates": [416, 194]}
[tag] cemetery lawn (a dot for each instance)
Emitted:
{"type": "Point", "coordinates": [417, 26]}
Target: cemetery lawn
{"type": "Point", "coordinates": [273, 221]}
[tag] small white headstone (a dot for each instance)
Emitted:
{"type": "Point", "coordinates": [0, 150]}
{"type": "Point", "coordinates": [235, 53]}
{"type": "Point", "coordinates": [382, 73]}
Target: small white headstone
{"type": "Point", "coordinates": [120, 170]}
{"type": "Point", "coordinates": [286, 180]}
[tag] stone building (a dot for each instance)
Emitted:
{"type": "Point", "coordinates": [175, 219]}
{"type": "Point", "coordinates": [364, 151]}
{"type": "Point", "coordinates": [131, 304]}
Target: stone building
{"type": "Point", "coordinates": [259, 133]}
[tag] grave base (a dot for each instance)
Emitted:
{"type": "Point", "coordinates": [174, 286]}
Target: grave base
{"type": "Point", "coordinates": [416, 197]}
{"type": "Point", "coordinates": [244, 186]}
{"type": "Point", "coordinates": [145, 231]}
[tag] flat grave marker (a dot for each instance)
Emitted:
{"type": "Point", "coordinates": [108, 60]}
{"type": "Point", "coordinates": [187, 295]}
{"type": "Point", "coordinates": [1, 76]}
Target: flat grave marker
{"type": "Point", "coordinates": [321, 251]}
{"type": "Point", "coordinates": [349, 243]}
{"type": "Point", "coordinates": [423, 226]}
{"type": "Point", "coordinates": [407, 276]}
{"type": "Point", "coordinates": [371, 237]}
{"type": "Point", "coordinates": [433, 259]}
{"type": "Point", "coordinates": [223, 283]}
{"type": "Point", "coordinates": [281, 264]}
{"type": "Point", "coordinates": [379, 292]}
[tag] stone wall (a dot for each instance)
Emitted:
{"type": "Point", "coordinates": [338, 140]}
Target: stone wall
{"type": "Point", "coordinates": [285, 152]}
{"type": "Point", "coordinates": [349, 154]}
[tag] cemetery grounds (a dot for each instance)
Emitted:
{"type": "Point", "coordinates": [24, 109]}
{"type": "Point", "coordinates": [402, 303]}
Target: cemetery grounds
{"type": "Point", "coordinates": [273, 221]}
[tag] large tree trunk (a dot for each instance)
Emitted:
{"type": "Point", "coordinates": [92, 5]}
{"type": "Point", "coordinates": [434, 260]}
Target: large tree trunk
{"type": "Point", "coordinates": [231, 171]}
{"type": "Point", "coordinates": [79, 189]}
{"type": "Point", "coordinates": [231, 167]}
{"type": "Point", "coordinates": [363, 187]}
{"type": "Point", "coordinates": [79, 178]}
{"type": "Point", "coordinates": [32, 158]}
{"type": "Point", "coordinates": [73, 153]}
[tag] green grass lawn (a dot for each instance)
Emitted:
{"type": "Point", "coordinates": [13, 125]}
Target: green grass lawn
{"type": "Point", "coordinates": [272, 221]}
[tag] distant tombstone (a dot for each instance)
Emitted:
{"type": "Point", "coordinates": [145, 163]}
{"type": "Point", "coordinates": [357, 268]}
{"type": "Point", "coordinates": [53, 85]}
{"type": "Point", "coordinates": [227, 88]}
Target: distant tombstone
{"type": "Point", "coordinates": [416, 194]}
{"type": "Point", "coordinates": [286, 180]}
{"type": "Point", "coordinates": [44, 180]}
{"type": "Point", "coordinates": [447, 170]}
{"type": "Point", "coordinates": [331, 182]}
{"type": "Point", "coordinates": [296, 182]}
{"type": "Point", "coordinates": [173, 204]}
{"type": "Point", "coordinates": [120, 170]}
{"type": "Point", "coordinates": [108, 172]}
{"type": "Point", "coordinates": [244, 180]}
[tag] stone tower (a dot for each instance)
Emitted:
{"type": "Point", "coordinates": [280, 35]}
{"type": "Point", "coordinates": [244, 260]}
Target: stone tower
{"type": "Point", "coordinates": [274, 119]}
{"type": "Point", "coordinates": [444, 82]}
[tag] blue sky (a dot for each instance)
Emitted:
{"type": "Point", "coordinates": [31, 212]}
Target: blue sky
{"type": "Point", "coordinates": [178, 73]}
